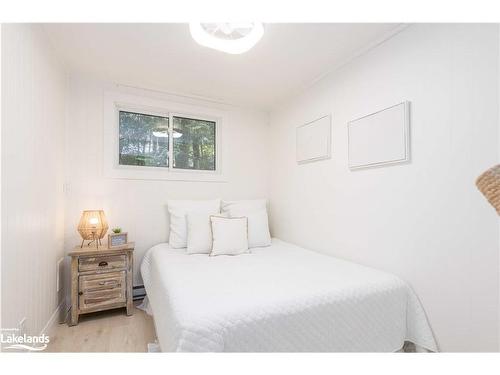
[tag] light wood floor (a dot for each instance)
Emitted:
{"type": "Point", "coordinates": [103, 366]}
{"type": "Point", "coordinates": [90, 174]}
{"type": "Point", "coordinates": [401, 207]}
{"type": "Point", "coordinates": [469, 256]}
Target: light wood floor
{"type": "Point", "coordinates": [106, 331]}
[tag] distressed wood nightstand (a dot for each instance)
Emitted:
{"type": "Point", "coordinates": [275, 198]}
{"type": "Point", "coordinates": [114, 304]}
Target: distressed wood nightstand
{"type": "Point", "coordinates": [101, 279]}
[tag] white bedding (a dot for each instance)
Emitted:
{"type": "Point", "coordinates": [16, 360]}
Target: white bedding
{"type": "Point", "coordinates": [278, 298]}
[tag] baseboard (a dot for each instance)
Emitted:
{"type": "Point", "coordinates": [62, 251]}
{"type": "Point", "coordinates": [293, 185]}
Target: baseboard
{"type": "Point", "coordinates": [53, 320]}
{"type": "Point", "coordinates": [138, 293]}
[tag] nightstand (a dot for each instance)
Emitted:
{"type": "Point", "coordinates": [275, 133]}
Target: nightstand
{"type": "Point", "coordinates": [101, 279]}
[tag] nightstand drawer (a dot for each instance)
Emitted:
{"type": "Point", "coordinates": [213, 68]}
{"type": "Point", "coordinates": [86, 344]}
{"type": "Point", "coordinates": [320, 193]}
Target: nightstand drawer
{"type": "Point", "coordinates": [102, 298]}
{"type": "Point", "coordinates": [101, 290]}
{"type": "Point", "coordinates": [102, 263]}
{"type": "Point", "coordinates": [104, 281]}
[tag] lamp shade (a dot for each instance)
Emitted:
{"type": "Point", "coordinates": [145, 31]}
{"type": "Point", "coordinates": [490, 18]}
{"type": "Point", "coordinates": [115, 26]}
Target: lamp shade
{"type": "Point", "coordinates": [93, 225]}
{"type": "Point", "coordinates": [489, 184]}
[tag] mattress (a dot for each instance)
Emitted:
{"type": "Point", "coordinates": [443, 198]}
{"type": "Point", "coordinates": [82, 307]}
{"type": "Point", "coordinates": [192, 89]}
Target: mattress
{"type": "Point", "coordinates": [281, 298]}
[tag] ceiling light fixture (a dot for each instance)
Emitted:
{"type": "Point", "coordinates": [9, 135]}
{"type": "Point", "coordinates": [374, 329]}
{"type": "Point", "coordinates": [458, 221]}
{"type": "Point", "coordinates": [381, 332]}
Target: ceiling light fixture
{"type": "Point", "coordinates": [234, 38]}
{"type": "Point", "coordinates": [164, 134]}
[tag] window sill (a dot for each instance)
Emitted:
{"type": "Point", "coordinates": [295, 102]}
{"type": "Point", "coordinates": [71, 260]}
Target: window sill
{"type": "Point", "coordinates": [153, 173]}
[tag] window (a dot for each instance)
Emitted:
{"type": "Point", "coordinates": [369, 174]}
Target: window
{"type": "Point", "coordinates": [144, 140]}
{"type": "Point", "coordinates": [194, 144]}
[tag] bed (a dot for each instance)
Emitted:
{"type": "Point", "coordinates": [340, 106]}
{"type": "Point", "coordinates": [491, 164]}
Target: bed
{"type": "Point", "coordinates": [281, 298]}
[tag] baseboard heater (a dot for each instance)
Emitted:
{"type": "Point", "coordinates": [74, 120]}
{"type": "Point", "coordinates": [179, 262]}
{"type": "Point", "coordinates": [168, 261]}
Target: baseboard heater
{"type": "Point", "coordinates": [138, 292]}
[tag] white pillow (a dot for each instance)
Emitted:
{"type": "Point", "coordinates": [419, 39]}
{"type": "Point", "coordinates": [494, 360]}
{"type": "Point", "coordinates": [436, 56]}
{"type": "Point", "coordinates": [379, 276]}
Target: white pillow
{"type": "Point", "coordinates": [258, 226]}
{"type": "Point", "coordinates": [178, 210]}
{"type": "Point", "coordinates": [248, 205]}
{"type": "Point", "coordinates": [258, 223]}
{"type": "Point", "coordinates": [199, 233]}
{"type": "Point", "coordinates": [230, 235]}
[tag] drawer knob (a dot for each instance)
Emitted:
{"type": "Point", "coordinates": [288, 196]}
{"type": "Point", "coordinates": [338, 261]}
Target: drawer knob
{"type": "Point", "coordinates": [80, 293]}
{"type": "Point", "coordinates": [103, 264]}
{"type": "Point", "coordinates": [108, 282]}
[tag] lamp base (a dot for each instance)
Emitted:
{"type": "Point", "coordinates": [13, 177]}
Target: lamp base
{"type": "Point", "coordinates": [90, 242]}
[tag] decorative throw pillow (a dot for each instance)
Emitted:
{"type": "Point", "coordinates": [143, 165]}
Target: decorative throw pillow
{"type": "Point", "coordinates": [229, 235]}
{"type": "Point", "coordinates": [258, 226]}
{"type": "Point", "coordinates": [178, 209]}
{"type": "Point", "coordinates": [258, 223]}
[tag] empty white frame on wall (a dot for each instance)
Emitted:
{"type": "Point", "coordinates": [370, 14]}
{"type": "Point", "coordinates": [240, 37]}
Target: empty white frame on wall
{"type": "Point", "coordinates": [380, 138]}
{"type": "Point", "coordinates": [314, 140]}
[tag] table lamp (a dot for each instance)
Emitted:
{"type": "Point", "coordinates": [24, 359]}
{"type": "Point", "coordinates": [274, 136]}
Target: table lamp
{"type": "Point", "coordinates": [92, 227]}
{"type": "Point", "coordinates": [489, 184]}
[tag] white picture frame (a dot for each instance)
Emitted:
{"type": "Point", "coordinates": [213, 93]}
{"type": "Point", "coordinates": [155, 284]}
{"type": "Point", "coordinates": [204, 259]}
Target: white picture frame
{"type": "Point", "coordinates": [380, 138]}
{"type": "Point", "coordinates": [313, 140]}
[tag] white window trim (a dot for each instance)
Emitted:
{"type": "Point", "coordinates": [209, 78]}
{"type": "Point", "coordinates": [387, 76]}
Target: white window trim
{"type": "Point", "coordinates": [115, 102]}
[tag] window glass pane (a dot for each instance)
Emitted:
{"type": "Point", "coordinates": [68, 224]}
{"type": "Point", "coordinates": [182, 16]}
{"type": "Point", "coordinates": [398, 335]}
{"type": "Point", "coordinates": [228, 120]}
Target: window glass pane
{"type": "Point", "coordinates": [194, 144]}
{"type": "Point", "coordinates": [143, 140]}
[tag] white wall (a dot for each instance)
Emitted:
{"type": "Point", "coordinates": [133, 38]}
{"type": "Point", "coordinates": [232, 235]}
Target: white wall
{"type": "Point", "coordinates": [33, 110]}
{"type": "Point", "coordinates": [0, 174]}
{"type": "Point", "coordinates": [140, 206]}
{"type": "Point", "coordinates": [424, 221]}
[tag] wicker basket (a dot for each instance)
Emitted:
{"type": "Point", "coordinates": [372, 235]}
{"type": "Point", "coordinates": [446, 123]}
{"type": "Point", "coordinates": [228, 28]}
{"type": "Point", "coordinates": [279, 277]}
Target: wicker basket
{"type": "Point", "coordinates": [489, 184]}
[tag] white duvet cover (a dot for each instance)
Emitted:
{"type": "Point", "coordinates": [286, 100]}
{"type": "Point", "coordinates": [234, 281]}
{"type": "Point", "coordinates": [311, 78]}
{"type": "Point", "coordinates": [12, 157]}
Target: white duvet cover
{"type": "Point", "coordinates": [278, 299]}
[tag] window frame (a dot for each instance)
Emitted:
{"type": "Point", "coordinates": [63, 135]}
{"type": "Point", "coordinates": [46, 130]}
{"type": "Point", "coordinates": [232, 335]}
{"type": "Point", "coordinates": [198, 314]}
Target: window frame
{"type": "Point", "coordinates": [115, 102]}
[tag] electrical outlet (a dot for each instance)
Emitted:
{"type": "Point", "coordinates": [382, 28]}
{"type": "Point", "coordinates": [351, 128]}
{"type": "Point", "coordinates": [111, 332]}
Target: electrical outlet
{"type": "Point", "coordinates": [21, 327]}
{"type": "Point", "coordinates": [59, 270]}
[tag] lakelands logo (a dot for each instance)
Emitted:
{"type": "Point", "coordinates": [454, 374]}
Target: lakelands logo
{"type": "Point", "coordinates": [10, 339]}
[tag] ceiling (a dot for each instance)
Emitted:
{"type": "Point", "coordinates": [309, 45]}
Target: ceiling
{"type": "Point", "coordinates": [288, 58]}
